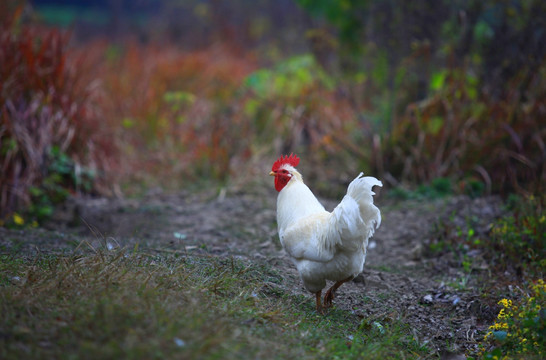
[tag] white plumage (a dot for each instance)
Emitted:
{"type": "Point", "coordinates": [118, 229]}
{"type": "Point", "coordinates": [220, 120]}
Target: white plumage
{"type": "Point", "coordinates": [323, 245]}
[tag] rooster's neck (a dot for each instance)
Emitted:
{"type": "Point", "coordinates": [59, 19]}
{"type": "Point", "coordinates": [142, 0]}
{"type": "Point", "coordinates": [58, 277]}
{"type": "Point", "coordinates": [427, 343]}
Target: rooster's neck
{"type": "Point", "coordinates": [294, 202]}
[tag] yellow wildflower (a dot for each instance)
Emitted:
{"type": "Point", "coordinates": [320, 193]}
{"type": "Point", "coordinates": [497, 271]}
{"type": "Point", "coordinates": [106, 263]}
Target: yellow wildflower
{"type": "Point", "coordinates": [539, 286]}
{"type": "Point", "coordinates": [503, 314]}
{"type": "Point", "coordinates": [18, 219]}
{"type": "Point", "coordinates": [499, 326]}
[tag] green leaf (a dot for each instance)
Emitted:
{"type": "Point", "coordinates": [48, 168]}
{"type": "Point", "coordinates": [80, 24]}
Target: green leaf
{"type": "Point", "coordinates": [35, 191]}
{"type": "Point", "coordinates": [500, 335]}
{"type": "Point", "coordinates": [380, 72]}
{"type": "Point", "coordinates": [251, 107]}
{"type": "Point", "coordinates": [179, 97]}
{"type": "Point", "coordinates": [8, 145]}
{"type": "Point", "coordinates": [127, 123]}
{"type": "Point", "coordinates": [259, 82]}
{"type": "Point", "coordinates": [438, 79]}
{"type": "Point", "coordinates": [483, 32]}
{"type": "Point", "coordinates": [435, 124]}
{"type": "Point", "coordinates": [289, 78]}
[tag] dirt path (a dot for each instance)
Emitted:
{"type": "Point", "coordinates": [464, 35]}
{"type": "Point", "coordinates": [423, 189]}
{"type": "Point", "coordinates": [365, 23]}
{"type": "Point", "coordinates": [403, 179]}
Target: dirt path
{"type": "Point", "coordinates": [433, 294]}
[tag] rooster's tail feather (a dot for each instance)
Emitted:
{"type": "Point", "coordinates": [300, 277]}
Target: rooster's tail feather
{"type": "Point", "coordinates": [355, 219]}
{"type": "Point", "coordinates": [360, 189]}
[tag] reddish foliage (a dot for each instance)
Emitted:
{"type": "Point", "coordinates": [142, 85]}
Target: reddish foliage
{"type": "Point", "coordinates": [46, 101]}
{"type": "Point", "coordinates": [172, 108]}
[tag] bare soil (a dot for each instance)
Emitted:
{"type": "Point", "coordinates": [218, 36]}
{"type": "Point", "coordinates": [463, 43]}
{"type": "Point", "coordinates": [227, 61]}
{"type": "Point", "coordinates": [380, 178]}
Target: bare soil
{"type": "Point", "coordinates": [402, 279]}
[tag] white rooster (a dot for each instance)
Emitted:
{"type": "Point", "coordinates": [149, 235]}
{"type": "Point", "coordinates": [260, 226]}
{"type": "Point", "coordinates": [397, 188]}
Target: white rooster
{"type": "Point", "coordinates": [324, 245]}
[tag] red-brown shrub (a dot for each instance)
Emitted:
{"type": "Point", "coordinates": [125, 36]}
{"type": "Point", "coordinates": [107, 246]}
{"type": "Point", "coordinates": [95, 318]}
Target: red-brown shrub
{"type": "Point", "coordinates": [47, 102]}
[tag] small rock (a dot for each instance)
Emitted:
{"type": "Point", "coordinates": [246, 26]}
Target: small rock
{"type": "Point", "coordinates": [179, 342]}
{"type": "Point", "coordinates": [427, 299]}
{"type": "Point", "coordinates": [456, 300]}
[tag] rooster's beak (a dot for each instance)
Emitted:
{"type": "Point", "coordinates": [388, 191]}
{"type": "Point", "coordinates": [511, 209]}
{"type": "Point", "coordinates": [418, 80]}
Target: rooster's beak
{"type": "Point", "coordinates": [272, 173]}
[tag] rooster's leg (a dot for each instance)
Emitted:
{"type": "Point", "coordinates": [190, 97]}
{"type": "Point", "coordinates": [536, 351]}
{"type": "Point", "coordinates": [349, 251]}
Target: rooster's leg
{"type": "Point", "coordinates": [329, 296]}
{"type": "Point", "coordinates": [318, 295]}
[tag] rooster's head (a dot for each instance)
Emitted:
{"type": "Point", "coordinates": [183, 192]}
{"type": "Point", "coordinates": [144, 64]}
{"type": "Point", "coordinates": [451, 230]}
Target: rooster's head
{"type": "Point", "coordinates": [284, 169]}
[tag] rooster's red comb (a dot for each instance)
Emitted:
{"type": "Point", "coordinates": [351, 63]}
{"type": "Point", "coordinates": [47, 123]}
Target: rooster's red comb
{"type": "Point", "coordinates": [293, 160]}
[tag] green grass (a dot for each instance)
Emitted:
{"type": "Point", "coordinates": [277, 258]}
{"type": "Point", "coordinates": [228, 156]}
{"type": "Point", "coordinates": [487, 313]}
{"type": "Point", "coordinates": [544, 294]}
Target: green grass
{"type": "Point", "coordinates": [133, 305]}
{"type": "Point", "coordinates": [437, 189]}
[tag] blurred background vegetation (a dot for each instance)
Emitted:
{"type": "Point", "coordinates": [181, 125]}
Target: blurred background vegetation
{"type": "Point", "coordinates": [110, 97]}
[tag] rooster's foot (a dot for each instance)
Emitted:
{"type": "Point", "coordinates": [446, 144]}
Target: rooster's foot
{"type": "Point", "coordinates": [320, 309]}
{"type": "Point", "coordinates": [329, 296]}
